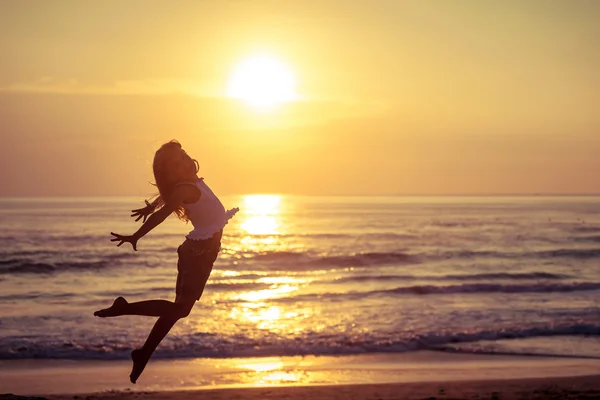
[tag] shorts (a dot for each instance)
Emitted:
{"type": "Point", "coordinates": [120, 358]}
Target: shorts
{"type": "Point", "coordinates": [194, 265]}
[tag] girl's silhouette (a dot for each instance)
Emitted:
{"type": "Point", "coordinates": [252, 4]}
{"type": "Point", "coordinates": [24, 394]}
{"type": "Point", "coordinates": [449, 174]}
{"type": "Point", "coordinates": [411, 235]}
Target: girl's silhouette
{"type": "Point", "coordinates": [180, 191]}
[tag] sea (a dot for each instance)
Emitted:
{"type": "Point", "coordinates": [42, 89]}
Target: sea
{"type": "Point", "coordinates": [300, 276]}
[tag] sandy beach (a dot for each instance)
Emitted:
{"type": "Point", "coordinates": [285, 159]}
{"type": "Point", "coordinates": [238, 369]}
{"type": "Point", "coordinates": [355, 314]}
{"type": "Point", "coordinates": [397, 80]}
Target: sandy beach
{"type": "Point", "coordinates": [417, 375]}
{"type": "Point", "coordinates": [587, 387]}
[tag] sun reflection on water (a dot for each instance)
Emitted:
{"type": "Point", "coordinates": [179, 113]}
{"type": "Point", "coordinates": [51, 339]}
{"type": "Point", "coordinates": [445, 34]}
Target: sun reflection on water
{"type": "Point", "coordinates": [262, 365]}
{"type": "Point", "coordinates": [267, 294]}
{"type": "Point", "coordinates": [269, 372]}
{"type": "Point", "coordinates": [262, 227]}
{"type": "Point", "coordinates": [262, 214]}
{"type": "Point", "coordinates": [264, 318]}
{"type": "Point", "coordinates": [279, 377]}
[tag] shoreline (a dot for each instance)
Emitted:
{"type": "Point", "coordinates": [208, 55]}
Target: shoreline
{"type": "Point", "coordinates": [581, 387]}
{"type": "Point", "coordinates": [421, 368]}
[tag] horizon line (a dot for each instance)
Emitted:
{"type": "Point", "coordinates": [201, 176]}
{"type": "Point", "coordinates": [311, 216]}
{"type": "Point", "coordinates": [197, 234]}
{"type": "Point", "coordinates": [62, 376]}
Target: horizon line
{"type": "Point", "coordinates": [325, 195]}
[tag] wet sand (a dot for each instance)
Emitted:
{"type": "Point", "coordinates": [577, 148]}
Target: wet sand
{"type": "Point", "coordinates": [541, 388]}
{"type": "Point", "coordinates": [417, 375]}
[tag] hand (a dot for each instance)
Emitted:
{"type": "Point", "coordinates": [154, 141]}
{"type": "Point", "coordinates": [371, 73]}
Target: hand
{"type": "Point", "coordinates": [125, 239]}
{"type": "Point", "coordinates": [143, 212]}
{"type": "Point", "coordinates": [230, 213]}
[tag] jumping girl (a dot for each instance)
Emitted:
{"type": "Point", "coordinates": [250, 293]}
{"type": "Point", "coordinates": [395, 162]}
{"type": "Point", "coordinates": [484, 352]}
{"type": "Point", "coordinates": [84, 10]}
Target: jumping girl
{"type": "Point", "coordinates": [182, 192]}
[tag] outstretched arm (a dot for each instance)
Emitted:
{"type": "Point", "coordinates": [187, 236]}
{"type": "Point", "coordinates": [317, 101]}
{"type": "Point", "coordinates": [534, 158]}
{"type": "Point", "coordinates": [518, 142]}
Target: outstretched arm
{"type": "Point", "coordinates": [180, 195]}
{"type": "Point", "coordinates": [153, 221]}
{"type": "Point", "coordinates": [144, 212]}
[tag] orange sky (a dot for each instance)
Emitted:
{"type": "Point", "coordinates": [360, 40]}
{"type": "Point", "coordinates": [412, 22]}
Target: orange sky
{"type": "Point", "coordinates": [398, 97]}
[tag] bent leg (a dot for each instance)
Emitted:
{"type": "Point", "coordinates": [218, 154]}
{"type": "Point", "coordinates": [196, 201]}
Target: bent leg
{"type": "Point", "coordinates": [181, 309]}
{"type": "Point", "coordinates": [149, 308]}
{"type": "Point", "coordinates": [113, 311]}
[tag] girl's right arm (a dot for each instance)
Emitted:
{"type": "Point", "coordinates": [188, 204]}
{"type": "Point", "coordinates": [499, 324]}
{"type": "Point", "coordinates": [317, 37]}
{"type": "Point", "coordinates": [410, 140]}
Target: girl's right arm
{"type": "Point", "coordinates": [145, 211]}
{"type": "Point", "coordinates": [180, 195]}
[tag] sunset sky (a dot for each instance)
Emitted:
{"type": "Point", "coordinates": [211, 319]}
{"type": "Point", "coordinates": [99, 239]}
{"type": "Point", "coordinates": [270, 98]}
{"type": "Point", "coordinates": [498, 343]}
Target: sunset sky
{"type": "Point", "coordinates": [390, 97]}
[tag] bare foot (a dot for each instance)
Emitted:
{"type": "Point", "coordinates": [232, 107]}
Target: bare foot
{"type": "Point", "coordinates": [140, 359]}
{"type": "Point", "coordinates": [115, 310]}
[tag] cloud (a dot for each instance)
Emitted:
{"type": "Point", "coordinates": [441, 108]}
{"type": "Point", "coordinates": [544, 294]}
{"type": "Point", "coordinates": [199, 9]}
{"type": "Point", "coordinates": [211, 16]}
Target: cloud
{"type": "Point", "coordinates": [308, 110]}
{"type": "Point", "coordinates": [121, 87]}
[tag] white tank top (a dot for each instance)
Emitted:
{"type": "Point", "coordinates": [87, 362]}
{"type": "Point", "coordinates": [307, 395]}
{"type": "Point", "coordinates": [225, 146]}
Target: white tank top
{"type": "Point", "coordinates": [208, 216]}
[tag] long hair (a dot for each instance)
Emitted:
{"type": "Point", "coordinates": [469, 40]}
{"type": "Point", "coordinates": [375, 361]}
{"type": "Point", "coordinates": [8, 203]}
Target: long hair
{"type": "Point", "coordinates": [164, 182]}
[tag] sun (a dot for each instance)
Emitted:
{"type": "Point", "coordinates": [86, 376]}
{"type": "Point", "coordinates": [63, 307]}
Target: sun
{"type": "Point", "coordinates": [263, 82]}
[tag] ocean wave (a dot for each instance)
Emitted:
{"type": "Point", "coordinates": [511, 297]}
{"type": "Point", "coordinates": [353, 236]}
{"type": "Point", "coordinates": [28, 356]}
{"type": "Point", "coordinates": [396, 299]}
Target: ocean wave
{"type": "Point", "coordinates": [456, 277]}
{"type": "Point", "coordinates": [41, 262]}
{"type": "Point", "coordinates": [469, 254]}
{"type": "Point", "coordinates": [439, 340]}
{"type": "Point", "coordinates": [508, 276]}
{"type": "Point", "coordinates": [34, 236]}
{"type": "Point", "coordinates": [423, 290]}
{"type": "Point", "coordinates": [587, 229]}
{"type": "Point", "coordinates": [270, 261]}
{"type": "Point", "coordinates": [523, 353]}
{"type": "Point", "coordinates": [16, 266]}
{"type": "Point", "coordinates": [21, 253]}
{"type": "Point", "coordinates": [328, 236]}
{"type": "Point", "coordinates": [363, 259]}
{"type": "Point", "coordinates": [36, 295]}
{"type": "Point", "coordinates": [324, 235]}
{"type": "Point", "coordinates": [595, 238]}
{"type": "Point", "coordinates": [544, 254]}
{"type": "Point", "coordinates": [570, 253]}
{"type": "Point", "coordinates": [299, 260]}
{"type": "Point", "coordinates": [307, 259]}
{"type": "Point", "coordinates": [494, 288]}
{"type": "Point", "coordinates": [213, 345]}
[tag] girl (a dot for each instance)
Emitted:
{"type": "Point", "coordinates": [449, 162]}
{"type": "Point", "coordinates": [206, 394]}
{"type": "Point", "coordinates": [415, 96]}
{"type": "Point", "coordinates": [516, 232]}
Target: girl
{"type": "Point", "coordinates": [182, 192]}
